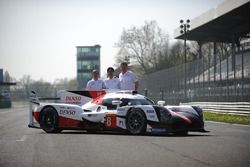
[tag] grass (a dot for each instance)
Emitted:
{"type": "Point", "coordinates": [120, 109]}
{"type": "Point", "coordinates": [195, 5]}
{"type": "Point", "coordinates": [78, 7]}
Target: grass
{"type": "Point", "coordinates": [228, 118]}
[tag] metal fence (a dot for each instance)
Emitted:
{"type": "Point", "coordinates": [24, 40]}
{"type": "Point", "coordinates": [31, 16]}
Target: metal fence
{"type": "Point", "coordinates": [242, 108]}
{"type": "Point", "coordinates": [209, 80]}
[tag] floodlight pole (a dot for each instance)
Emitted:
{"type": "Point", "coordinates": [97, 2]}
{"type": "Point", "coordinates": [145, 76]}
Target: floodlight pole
{"type": "Point", "coordinates": [184, 30]}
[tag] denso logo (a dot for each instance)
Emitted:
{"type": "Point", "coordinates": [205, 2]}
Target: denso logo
{"type": "Point", "coordinates": [67, 112]}
{"type": "Point", "coordinates": [121, 123]}
{"type": "Point", "coordinates": [73, 98]}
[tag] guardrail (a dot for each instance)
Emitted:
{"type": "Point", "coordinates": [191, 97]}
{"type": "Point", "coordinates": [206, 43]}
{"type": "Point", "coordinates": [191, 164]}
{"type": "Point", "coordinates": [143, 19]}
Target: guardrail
{"type": "Point", "coordinates": [223, 107]}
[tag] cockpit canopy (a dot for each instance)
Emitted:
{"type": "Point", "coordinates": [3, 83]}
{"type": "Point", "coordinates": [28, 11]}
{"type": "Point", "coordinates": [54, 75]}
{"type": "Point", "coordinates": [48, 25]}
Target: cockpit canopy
{"type": "Point", "coordinates": [126, 99]}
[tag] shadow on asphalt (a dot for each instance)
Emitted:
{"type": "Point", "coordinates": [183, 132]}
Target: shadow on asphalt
{"type": "Point", "coordinates": [191, 134]}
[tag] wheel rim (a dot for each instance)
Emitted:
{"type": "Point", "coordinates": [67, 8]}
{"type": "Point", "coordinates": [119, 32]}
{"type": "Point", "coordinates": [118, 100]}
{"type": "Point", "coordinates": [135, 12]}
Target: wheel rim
{"type": "Point", "coordinates": [49, 121]}
{"type": "Point", "coordinates": [135, 121]}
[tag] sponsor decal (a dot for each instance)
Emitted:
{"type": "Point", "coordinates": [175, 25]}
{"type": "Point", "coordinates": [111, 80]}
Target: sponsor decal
{"type": "Point", "coordinates": [158, 130]}
{"type": "Point", "coordinates": [67, 107]}
{"type": "Point", "coordinates": [73, 98]}
{"type": "Point", "coordinates": [150, 111]}
{"type": "Point", "coordinates": [151, 116]}
{"type": "Point", "coordinates": [121, 123]}
{"type": "Point", "coordinates": [110, 120]}
{"type": "Point", "coordinates": [121, 109]}
{"type": "Point", "coordinates": [67, 112]}
{"type": "Point", "coordinates": [70, 108]}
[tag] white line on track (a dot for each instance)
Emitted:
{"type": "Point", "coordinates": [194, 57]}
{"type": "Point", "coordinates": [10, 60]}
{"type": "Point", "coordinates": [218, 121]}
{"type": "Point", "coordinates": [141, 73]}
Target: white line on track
{"type": "Point", "coordinates": [22, 138]}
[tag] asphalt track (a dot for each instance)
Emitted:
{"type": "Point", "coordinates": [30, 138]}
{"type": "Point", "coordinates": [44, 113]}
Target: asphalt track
{"type": "Point", "coordinates": [226, 145]}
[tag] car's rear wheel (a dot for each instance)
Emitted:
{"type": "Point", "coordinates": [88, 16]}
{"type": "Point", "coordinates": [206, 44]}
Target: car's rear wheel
{"type": "Point", "coordinates": [136, 121]}
{"type": "Point", "coordinates": [49, 120]}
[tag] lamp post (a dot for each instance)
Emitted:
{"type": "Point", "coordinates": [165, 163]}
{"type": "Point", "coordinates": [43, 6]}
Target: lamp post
{"type": "Point", "coordinates": [184, 30]}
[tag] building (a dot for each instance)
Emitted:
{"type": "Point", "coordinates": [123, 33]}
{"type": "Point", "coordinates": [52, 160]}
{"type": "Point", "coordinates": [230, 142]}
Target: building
{"type": "Point", "coordinates": [1, 75]}
{"type": "Point", "coordinates": [5, 99]}
{"type": "Point", "coordinates": [88, 58]}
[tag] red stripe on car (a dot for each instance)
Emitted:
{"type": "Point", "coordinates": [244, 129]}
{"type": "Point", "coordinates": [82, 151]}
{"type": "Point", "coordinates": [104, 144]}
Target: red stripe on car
{"type": "Point", "coordinates": [36, 115]}
{"type": "Point", "coordinates": [98, 100]}
{"type": "Point", "coordinates": [96, 93]}
{"type": "Point", "coordinates": [183, 117]}
{"type": "Point", "coordinates": [68, 122]}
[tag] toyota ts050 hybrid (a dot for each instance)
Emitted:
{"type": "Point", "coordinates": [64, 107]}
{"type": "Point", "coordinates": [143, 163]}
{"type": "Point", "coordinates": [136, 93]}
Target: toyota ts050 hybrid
{"type": "Point", "coordinates": [98, 110]}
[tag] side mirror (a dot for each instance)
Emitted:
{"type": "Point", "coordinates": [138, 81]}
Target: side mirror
{"type": "Point", "coordinates": [33, 92]}
{"type": "Point", "coordinates": [161, 103]}
{"type": "Point", "coordinates": [116, 102]}
{"type": "Point", "coordinates": [33, 98]}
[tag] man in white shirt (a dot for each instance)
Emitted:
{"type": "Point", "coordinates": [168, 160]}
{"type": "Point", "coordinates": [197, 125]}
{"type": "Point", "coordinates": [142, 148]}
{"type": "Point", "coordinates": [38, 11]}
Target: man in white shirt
{"type": "Point", "coordinates": [128, 79]}
{"type": "Point", "coordinates": [95, 83]}
{"type": "Point", "coordinates": [112, 82]}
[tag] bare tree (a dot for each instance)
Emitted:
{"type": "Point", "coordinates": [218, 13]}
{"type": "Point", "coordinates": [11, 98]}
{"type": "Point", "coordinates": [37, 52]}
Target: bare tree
{"type": "Point", "coordinates": [25, 82]}
{"type": "Point", "coordinates": [224, 50]}
{"type": "Point", "coordinates": [65, 84]}
{"type": "Point", "coordinates": [176, 54]}
{"type": "Point", "coordinates": [144, 45]}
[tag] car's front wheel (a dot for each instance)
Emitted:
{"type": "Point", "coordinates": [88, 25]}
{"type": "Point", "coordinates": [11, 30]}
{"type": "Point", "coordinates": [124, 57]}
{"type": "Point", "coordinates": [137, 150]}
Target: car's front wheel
{"type": "Point", "coordinates": [49, 120]}
{"type": "Point", "coordinates": [136, 121]}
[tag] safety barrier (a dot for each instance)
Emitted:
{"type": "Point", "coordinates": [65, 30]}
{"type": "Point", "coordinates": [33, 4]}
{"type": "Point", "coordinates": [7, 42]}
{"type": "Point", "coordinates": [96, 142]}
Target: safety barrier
{"type": "Point", "coordinates": [224, 107]}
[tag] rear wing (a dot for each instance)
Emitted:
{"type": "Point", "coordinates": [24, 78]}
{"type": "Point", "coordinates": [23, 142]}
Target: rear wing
{"type": "Point", "coordinates": [79, 97]}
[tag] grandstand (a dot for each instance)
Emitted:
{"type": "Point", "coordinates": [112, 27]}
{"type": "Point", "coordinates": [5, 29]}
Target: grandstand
{"type": "Point", "coordinates": [224, 80]}
{"type": "Point", "coordinates": [220, 70]}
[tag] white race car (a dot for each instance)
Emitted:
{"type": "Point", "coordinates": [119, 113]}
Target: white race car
{"type": "Point", "coordinates": [99, 110]}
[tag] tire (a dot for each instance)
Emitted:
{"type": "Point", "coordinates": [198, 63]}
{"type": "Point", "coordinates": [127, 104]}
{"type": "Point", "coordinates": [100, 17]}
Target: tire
{"type": "Point", "coordinates": [49, 120]}
{"type": "Point", "coordinates": [136, 121]}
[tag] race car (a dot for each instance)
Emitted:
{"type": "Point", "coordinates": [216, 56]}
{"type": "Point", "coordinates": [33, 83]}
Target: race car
{"type": "Point", "coordinates": [100, 110]}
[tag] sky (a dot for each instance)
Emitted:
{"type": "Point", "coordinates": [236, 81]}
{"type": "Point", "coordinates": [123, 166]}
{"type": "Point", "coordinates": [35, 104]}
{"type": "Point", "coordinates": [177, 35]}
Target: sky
{"type": "Point", "coordinates": [39, 37]}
